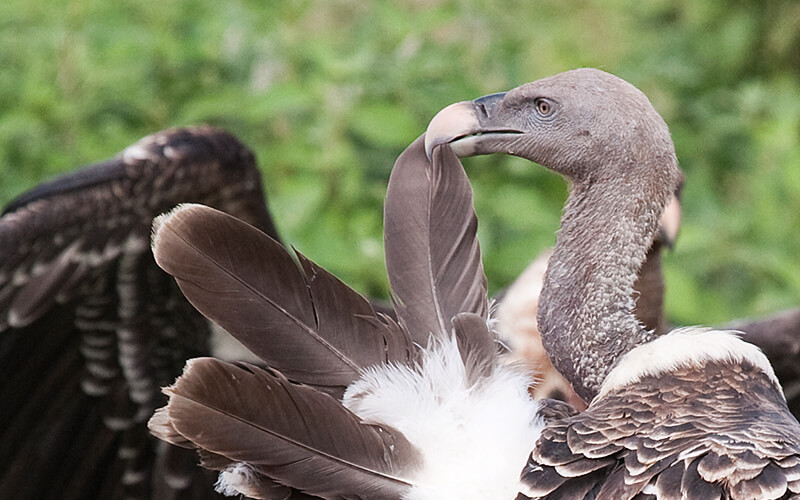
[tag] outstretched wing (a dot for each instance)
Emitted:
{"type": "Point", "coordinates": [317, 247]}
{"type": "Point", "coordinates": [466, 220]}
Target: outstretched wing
{"type": "Point", "coordinates": [90, 327]}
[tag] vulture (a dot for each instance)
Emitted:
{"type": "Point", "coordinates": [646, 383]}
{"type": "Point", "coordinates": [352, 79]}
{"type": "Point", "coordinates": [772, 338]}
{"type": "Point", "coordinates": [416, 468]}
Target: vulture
{"type": "Point", "coordinates": [91, 328]}
{"type": "Point", "coordinates": [693, 413]}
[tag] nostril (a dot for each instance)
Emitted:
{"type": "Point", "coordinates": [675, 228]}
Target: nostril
{"type": "Point", "coordinates": [487, 105]}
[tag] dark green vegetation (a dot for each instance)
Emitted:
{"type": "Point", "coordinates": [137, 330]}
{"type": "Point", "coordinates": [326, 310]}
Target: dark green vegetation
{"type": "Point", "coordinates": [329, 93]}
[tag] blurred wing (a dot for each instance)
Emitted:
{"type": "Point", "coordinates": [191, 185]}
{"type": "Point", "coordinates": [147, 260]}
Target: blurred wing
{"type": "Point", "coordinates": [262, 429]}
{"type": "Point", "coordinates": [432, 252]}
{"type": "Point", "coordinates": [778, 335]}
{"type": "Point", "coordinates": [90, 327]}
{"type": "Point", "coordinates": [300, 320]}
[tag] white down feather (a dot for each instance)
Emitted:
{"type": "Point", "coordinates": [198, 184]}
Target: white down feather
{"type": "Point", "coordinates": [475, 439]}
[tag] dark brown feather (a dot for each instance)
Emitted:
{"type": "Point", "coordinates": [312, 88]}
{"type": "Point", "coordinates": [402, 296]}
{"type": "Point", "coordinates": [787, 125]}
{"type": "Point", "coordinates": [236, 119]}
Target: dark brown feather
{"type": "Point", "coordinates": [291, 433]}
{"type": "Point", "coordinates": [38, 295]}
{"type": "Point", "coordinates": [476, 345]}
{"type": "Point", "coordinates": [553, 410]}
{"type": "Point", "coordinates": [432, 252]}
{"type": "Point", "coordinates": [770, 483]}
{"type": "Point", "coordinates": [615, 486]}
{"type": "Point", "coordinates": [547, 481]}
{"type": "Point", "coordinates": [695, 487]}
{"type": "Point", "coordinates": [668, 483]}
{"type": "Point", "coordinates": [337, 304]}
{"type": "Point", "coordinates": [304, 322]}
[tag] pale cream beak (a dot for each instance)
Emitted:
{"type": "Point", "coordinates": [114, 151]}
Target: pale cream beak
{"type": "Point", "coordinates": [454, 121]}
{"type": "Point", "coordinates": [465, 125]}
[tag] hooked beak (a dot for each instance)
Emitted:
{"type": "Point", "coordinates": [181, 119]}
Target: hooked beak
{"type": "Point", "coordinates": [465, 125]}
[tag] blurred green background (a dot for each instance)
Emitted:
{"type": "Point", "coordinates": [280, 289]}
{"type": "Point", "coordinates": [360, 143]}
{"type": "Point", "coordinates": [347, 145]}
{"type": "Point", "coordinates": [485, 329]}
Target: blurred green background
{"type": "Point", "coordinates": [328, 93]}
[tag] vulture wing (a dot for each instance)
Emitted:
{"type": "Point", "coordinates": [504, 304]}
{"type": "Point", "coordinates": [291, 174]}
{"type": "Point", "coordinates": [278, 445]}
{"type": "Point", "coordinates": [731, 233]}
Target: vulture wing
{"type": "Point", "coordinates": [258, 425]}
{"type": "Point", "coordinates": [90, 328]}
{"type": "Point", "coordinates": [647, 438]}
{"type": "Point", "coordinates": [299, 319]}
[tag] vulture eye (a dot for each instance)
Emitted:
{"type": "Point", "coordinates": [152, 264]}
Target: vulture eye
{"type": "Point", "coordinates": [543, 106]}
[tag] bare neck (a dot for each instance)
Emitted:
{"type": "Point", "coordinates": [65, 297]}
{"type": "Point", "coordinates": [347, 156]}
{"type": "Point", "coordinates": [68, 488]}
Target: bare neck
{"type": "Point", "coordinates": [586, 310]}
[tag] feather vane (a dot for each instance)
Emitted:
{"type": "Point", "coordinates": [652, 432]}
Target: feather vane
{"type": "Point", "coordinates": [432, 253]}
{"type": "Point", "coordinates": [289, 432]}
{"type": "Point", "coordinates": [300, 320]}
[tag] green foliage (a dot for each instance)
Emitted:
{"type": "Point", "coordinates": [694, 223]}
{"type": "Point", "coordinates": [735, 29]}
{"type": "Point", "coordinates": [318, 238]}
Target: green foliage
{"type": "Point", "coordinates": [329, 93]}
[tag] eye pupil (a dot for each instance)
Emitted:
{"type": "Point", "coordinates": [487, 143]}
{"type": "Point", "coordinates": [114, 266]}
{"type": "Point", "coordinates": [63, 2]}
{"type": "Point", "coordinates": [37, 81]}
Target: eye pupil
{"type": "Point", "coordinates": [543, 106]}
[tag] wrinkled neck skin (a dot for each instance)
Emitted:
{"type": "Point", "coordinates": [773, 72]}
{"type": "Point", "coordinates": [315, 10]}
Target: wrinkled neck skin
{"type": "Point", "coordinates": [586, 309]}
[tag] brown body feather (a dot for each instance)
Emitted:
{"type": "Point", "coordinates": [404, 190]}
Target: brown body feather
{"type": "Point", "coordinates": [432, 256]}
{"type": "Point", "coordinates": [289, 316]}
{"type": "Point", "coordinates": [305, 438]}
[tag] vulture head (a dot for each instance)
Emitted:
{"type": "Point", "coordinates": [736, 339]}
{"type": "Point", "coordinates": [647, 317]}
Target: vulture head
{"type": "Point", "coordinates": [585, 124]}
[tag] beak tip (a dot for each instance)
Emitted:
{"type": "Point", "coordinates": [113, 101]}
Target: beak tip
{"type": "Point", "coordinates": [429, 145]}
{"type": "Point", "coordinates": [453, 121]}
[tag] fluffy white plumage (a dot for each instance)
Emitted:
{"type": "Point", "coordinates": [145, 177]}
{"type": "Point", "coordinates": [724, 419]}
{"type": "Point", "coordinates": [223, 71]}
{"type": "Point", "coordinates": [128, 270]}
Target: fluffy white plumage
{"type": "Point", "coordinates": [236, 480]}
{"type": "Point", "coordinates": [682, 347]}
{"type": "Point", "coordinates": [473, 437]}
